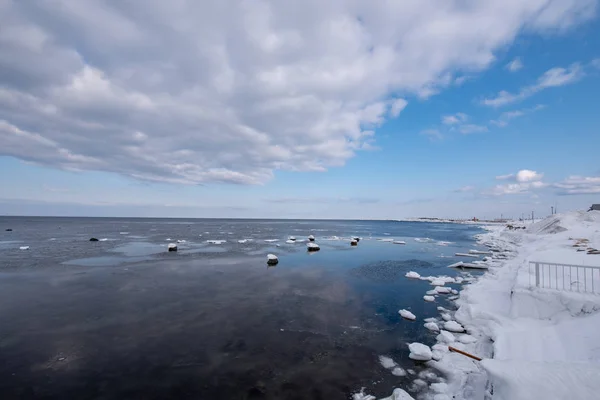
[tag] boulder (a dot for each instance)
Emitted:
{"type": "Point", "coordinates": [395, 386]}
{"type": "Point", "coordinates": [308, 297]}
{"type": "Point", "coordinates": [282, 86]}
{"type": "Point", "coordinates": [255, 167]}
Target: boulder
{"type": "Point", "coordinates": [93, 240]}
{"type": "Point", "coordinates": [172, 247]}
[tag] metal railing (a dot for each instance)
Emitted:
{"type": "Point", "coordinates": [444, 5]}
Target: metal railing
{"type": "Point", "coordinates": [574, 278]}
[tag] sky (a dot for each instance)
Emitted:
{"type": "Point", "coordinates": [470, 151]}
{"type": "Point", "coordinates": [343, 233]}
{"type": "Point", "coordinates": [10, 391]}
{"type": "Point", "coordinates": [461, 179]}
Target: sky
{"type": "Point", "coordinates": [348, 109]}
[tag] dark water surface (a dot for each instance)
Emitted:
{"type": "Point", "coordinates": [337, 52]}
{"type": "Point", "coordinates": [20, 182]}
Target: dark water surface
{"type": "Point", "coordinates": [124, 318]}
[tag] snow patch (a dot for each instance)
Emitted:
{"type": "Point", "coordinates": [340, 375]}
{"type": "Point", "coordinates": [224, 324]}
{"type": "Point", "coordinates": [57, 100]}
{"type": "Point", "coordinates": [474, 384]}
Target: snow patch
{"type": "Point", "coordinates": [407, 315]}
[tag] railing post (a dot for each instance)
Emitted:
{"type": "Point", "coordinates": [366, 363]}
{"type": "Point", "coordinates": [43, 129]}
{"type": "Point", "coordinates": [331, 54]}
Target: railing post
{"type": "Point", "coordinates": [537, 274]}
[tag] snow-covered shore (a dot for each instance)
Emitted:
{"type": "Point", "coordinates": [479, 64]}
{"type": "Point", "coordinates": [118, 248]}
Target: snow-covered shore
{"type": "Point", "coordinates": [536, 343]}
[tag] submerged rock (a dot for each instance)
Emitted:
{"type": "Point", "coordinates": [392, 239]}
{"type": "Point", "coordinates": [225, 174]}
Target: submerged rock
{"type": "Point", "coordinates": [93, 239]}
{"type": "Point", "coordinates": [272, 259]}
{"type": "Point", "coordinates": [8, 230]}
{"type": "Point", "coordinates": [172, 247]}
{"type": "Point", "coordinates": [312, 246]}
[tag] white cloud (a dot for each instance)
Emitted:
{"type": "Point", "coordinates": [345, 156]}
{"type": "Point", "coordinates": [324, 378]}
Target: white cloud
{"type": "Point", "coordinates": [454, 119]}
{"type": "Point", "coordinates": [552, 78]}
{"type": "Point", "coordinates": [514, 65]}
{"type": "Point", "coordinates": [579, 185]}
{"type": "Point", "coordinates": [505, 117]}
{"type": "Point", "coordinates": [230, 91]}
{"type": "Point", "coordinates": [596, 63]}
{"type": "Point", "coordinates": [397, 106]}
{"type": "Point", "coordinates": [524, 180]}
{"type": "Point", "coordinates": [472, 128]}
{"type": "Point", "coordinates": [432, 134]}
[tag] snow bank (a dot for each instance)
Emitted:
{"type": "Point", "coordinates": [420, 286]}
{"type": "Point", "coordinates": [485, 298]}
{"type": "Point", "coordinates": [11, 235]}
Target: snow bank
{"type": "Point", "coordinates": [407, 315]}
{"type": "Point", "coordinates": [419, 352]}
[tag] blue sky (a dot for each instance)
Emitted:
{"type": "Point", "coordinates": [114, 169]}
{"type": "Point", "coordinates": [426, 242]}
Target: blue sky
{"type": "Point", "coordinates": [500, 110]}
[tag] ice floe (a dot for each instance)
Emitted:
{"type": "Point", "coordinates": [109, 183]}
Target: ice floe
{"type": "Point", "coordinates": [413, 275]}
{"type": "Point", "coordinates": [407, 315]}
{"type": "Point", "coordinates": [419, 352]}
{"type": "Point", "coordinates": [428, 298]}
{"type": "Point", "coordinates": [453, 326]}
{"type": "Point", "coordinates": [432, 326]}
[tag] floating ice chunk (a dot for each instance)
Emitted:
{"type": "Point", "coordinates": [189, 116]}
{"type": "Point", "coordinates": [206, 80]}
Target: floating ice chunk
{"type": "Point", "coordinates": [123, 233]}
{"type": "Point", "coordinates": [407, 314]}
{"type": "Point", "coordinates": [399, 242]}
{"type": "Point", "coordinates": [387, 362]}
{"type": "Point", "coordinates": [419, 352]}
{"type": "Point", "coordinates": [103, 240]}
{"type": "Point", "coordinates": [24, 248]}
{"type": "Point", "coordinates": [168, 239]}
{"type": "Point", "coordinates": [271, 240]}
{"type": "Point", "coordinates": [454, 291]}
{"type": "Point", "coordinates": [290, 241]}
{"type": "Point", "coordinates": [412, 274]}
{"type": "Point", "coordinates": [272, 259]}
{"type": "Point", "coordinates": [430, 319]}
{"type": "Point", "coordinates": [456, 265]}
{"type": "Point", "coordinates": [443, 289]}
{"type": "Point", "coordinates": [466, 339]}
{"type": "Point", "coordinates": [432, 326]}
{"type": "Point", "coordinates": [432, 292]}
{"type": "Point", "coordinates": [216, 241]}
{"type": "Point", "coordinates": [181, 241]}
{"type": "Point", "coordinates": [242, 241]}
{"type": "Point", "coordinates": [442, 309]}
{"type": "Point", "coordinates": [386, 240]}
{"type": "Point", "coordinates": [423, 240]}
{"type": "Point", "coordinates": [453, 326]}
{"type": "Point", "coordinates": [443, 243]}
{"type": "Point", "coordinates": [172, 247]}
{"type": "Point", "coordinates": [418, 384]}
{"type": "Point", "coordinates": [426, 374]}
{"type": "Point", "coordinates": [466, 255]}
{"type": "Point", "coordinates": [362, 395]}
{"type": "Point", "coordinates": [436, 355]}
{"type": "Point", "coordinates": [446, 317]}
{"type": "Point", "coordinates": [399, 394]}
{"type": "Point", "coordinates": [398, 371]}
{"type": "Point", "coordinates": [428, 298]}
{"type": "Point", "coordinates": [440, 347]}
{"type": "Point", "coordinates": [486, 253]}
{"type": "Point", "coordinates": [311, 246]}
{"type": "Point", "coordinates": [410, 371]}
{"type": "Point", "coordinates": [445, 337]}
{"type": "Point", "coordinates": [438, 282]}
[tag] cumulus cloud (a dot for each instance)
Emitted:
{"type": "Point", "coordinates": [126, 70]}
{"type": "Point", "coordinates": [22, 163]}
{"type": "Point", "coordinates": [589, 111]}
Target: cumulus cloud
{"type": "Point", "coordinates": [552, 78]}
{"type": "Point", "coordinates": [454, 119]}
{"type": "Point", "coordinates": [231, 90]}
{"type": "Point", "coordinates": [514, 65]}
{"type": "Point", "coordinates": [579, 185]}
{"type": "Point", "coordinates": [524, 181]}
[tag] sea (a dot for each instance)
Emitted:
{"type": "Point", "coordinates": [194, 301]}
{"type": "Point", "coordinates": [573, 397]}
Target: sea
{"type": "Point", "coordinates": [123, 318]}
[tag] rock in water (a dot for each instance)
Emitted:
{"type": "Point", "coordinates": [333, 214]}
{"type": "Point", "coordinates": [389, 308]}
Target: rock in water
{"type": "Point", "coordinates": [354, 242]}
{"type": "Point", "coordinates": [356, 238]}
{"type": "Point", "coordinates": [172, 247]}
{"type": "Point", "coordinates": [312, 246]}
{"type": "Point", "coordinates": [8, 230]}
{"type": "Point", "coordinates": [93, 240]}
{"type": "Point", "coordinates": [272, 259]}
{"type": "Point", "coordinates": [311, 238]}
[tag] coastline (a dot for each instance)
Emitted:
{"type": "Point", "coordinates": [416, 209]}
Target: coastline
{"type": "Point", "coordinates": [535, 343]}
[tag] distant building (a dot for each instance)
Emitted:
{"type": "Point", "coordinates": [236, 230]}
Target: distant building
{"type": "Point", "coordinates": [595, 207]}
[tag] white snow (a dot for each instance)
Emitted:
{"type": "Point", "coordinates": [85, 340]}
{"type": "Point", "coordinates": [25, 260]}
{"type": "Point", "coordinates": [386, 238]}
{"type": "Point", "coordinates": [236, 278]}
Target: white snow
{"type": "Point", "coordinates": [446, 317]}
{"type": "Point", "coordinates": [419, 351]}
{"type": "Point", "coordinates": [24, 248]}
{"type": "Point", "coordinates": [443, 289]}
{"type": "Point", "coordinates": [456, 265]}
{"type": "Point", "coordinates": [466, 255]}
{"type": "Point", "coordinates": [407, 314]}
{"type": "Point", "coordinates": [311, 237]}
{"type": "Point", "coordinates": [423, 240]}
{"type": "Point", "coordinates": [428, 298]}
{"type": "Point", "coordinates": [399, 242]}
{"type": "Point", "coordinates": [412, 274]}
{"type": "Point", "coordinates": [485, 253]}
{"type": "Point", "coordinates": [432, 326]}
{"type": "Point", "coordinates": [445, 337]}
{"type": "Point", "coordinates": [172, 246]}
{"type": "Point", "coordinates": [181, 241]}
{"type": "Point", "coordinates": [544, 342]}
{"type": "Point", "coordinates": [103, 240]}
{"type": "Point", "coordinates": [271, 257]}
{"type": "Point", "coordinates": [290, 241]}
{"type": "Point", "coordinates": [292, 238]}
{"type": "Point", "coordinates": [386, 240]}
{"type": "Point", "coordinates": [216, 241]}
{"type": "Point", "coordinates": [387, 362]}
{"type": "Point", "coordinates": [438, 282]}
{"type": "Point", "coordinates": [271, 240]}
{"type": "Point", "coordinates": [312, 246]}
{"type": "Point", "coordinates": [453, 326]}
{"type": "Point", "coordinates": [242, 241]}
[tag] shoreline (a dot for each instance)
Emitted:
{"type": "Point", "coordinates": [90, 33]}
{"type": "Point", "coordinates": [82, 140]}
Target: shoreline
{"type": "Point", "coordinates": [535, 343]}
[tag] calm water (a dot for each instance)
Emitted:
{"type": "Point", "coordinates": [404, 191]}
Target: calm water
{"type": "Point", "coordinates": [124, 318]}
